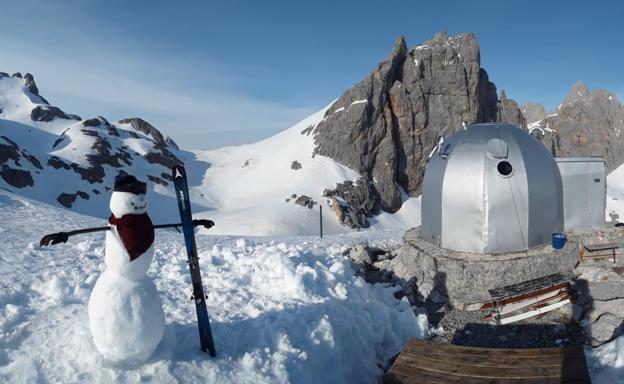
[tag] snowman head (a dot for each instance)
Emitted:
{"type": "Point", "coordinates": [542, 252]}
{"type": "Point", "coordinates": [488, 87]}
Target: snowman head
{"type": "Point", "coordinates": [129, 196]}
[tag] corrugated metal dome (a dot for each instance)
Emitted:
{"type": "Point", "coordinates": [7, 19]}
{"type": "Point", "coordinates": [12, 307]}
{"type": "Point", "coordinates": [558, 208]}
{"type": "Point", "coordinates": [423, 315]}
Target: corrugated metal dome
{"type": "Point", "coordinates": [491, 188]}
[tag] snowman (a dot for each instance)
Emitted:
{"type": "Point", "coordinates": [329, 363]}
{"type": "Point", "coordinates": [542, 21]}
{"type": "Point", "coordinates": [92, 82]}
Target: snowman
{"type": "Point", "coordinates": [126, 318]}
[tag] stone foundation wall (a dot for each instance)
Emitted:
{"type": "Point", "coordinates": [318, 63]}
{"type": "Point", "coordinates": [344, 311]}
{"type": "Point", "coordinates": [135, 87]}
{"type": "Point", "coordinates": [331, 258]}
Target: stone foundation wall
{"type": "Point", "coordinates": [464, 278]}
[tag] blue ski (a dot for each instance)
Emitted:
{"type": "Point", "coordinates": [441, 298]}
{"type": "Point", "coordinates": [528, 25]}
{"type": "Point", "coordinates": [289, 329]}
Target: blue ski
{"type": "Point", "coordinates": [199, 296]}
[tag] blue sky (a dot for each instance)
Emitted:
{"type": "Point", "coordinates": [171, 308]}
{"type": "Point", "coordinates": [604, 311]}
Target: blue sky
{"type": "Point", "coordinates": [213, 73]}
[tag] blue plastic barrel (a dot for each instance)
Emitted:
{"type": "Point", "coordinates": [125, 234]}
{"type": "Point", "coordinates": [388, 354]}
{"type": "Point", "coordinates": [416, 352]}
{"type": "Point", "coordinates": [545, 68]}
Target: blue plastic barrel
{"type": "Point", "coordinates": [558, 240]}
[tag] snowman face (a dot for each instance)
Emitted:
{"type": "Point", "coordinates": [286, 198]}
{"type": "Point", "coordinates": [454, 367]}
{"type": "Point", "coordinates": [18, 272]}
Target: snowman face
{"type": "Point", "coordinates": [126, 203]}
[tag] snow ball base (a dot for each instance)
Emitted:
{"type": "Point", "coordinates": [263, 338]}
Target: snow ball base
{"type": "Point", "coordinates": [126, 318]}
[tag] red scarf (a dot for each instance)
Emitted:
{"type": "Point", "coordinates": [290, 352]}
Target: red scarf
{"type": "Point", "coordinates": [136, 233]}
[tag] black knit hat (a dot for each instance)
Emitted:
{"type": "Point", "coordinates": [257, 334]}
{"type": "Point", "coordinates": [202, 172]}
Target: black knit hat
{"type": "Point", "coordinates": [129, 183]}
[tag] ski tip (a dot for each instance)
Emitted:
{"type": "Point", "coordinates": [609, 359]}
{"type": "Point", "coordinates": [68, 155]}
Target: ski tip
{"type": "Point", "coordinates": [178, 171]}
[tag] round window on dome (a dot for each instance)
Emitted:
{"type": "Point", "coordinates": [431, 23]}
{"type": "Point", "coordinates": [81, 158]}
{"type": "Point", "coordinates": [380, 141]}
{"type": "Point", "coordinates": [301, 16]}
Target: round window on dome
{"type": "Point", "coordinates": [504, 168]}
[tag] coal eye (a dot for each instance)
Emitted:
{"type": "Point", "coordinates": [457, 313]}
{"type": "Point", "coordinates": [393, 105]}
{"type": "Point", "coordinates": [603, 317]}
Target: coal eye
{"type": "Point", "coordinates": [504, 168]}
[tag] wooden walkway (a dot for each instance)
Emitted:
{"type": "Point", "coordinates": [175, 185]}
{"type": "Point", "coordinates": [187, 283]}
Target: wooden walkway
{"type": "Point", "coordinates": [427, 362]}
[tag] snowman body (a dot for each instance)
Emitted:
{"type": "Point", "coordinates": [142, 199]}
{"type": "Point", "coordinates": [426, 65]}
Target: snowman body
{"type": "Point", "coordinates": [126, 318]}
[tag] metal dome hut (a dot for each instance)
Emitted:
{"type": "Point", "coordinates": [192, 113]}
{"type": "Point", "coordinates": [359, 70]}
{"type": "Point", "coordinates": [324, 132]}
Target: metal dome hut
{"type": "Point", "coordinates": [491, 188]}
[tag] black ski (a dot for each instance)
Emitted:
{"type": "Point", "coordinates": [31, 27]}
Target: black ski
{"type": "Point", "coordinates": [199, 296]}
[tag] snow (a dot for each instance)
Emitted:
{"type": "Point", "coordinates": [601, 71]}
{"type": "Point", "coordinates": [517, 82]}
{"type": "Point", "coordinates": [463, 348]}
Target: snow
{"type": "Point", "coordinates": [359, 102]}
{"type": "Point", "coordinates": [606, 363]}
{"type": "Point", "coordinates": [243, 189]}
{"type": "Point", "coordinates": [282, 309]}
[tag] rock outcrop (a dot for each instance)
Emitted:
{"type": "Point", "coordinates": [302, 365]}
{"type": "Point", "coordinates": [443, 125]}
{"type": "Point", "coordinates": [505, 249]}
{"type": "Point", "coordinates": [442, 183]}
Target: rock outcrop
{"type": "Point", "coordinates": [48, 113]}
{"type": "Point", "coordinates": [385, 126]}
{"type": "Point", "coordinates": [587, 123]}
{"type": "Point", "coordinates": [533, 112]}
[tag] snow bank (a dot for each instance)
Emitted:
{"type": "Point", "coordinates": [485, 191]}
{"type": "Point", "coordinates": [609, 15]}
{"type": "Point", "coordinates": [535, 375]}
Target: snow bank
{"type": "Point", "coordinates": [606, 363]}
{"type": "Point", "coordinates": [282, 309]}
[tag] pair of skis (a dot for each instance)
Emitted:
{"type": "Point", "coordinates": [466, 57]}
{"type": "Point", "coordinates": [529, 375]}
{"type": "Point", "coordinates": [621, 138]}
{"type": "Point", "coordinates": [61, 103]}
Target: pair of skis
{"type": "Point", "coordinates": [199, 296]}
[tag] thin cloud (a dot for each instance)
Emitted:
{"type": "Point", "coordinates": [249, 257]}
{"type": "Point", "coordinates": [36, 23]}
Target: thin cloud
{"type": "Point", "coordinates": [118, 86]}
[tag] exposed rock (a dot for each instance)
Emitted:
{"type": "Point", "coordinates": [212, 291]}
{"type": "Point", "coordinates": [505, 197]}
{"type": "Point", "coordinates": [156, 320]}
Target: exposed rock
{"type": "Point", "coordinates": [166, 176]}
{"type": "Point", "coordinates": [3, 74]}
{"type": "Point", "coordinates": [157, 180]}
{"type": "Point", "coordinates": [533, 112]}
{"type": "Point", "coordinates": [145, 127]}
{"type": "Point", "coordinates": [57, 163]}
{"type": "Point", "coordinates": [83, 195]}
{"type": "Point", "coordinates": [355, 202]}
{"type": "Point", "coordinates": [66, 199]}
{"type": "Point", "coordinates": [360, 254]}
{"type": "Point", "coordinates": [162, 156]}
{"type": "Point", "coordinates": [17, 74]}
{"type": "Point", "coordinates": [603, 303]}
{"type": "Point", "coordinates": [31, 159]}
{"type": "Point", "coordinates": [305, 201]}
{"type": "Point", "coordinates": [48, 113]}
{"type": "Point", "coordinates": [385, 126]}
{"type": "Point", "coordinates": [295, 165]}
{"type": "Point", "coordinates": [509, 112]}
{"type": "Point", "coordinates": [96, 122]}
{"type": "Point", "coordinates": [9, 151]}
{"type": "Point", "coordinates": [588, 123]}
{"type": "Point", "coordinates": [16, 177]}
{"type": "Point", "coordinates": [171, 144]}
{"type": "Point", "coordinates": [30, 84]}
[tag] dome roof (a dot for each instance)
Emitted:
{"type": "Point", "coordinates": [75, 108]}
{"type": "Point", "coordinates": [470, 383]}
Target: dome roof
{"type": "Point", "coordinates": [490, 189]}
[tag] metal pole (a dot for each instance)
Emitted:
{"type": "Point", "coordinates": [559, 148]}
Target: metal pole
{"type": "Point", "coordinates": [321, 219]}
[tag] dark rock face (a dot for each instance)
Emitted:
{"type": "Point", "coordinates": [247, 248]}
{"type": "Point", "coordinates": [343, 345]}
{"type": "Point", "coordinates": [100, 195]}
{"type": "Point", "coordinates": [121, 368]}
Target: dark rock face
{"type": "Point", "coordinates": [66, 199]}
{"type": "Point", "coordinates": [8, 151]}
{"type": "Point", "coordinates": [295, 165]}
{"type": "Point", "coordinates": [157, 180]}
{"type": "Point", "coordinates": [16, 177]}
{"type": "Point", "coordinates": [354, 203]}
{"type": "Point", "coordinates": [533, 112]}
{"type": "Point", "coordinates": [509, 111]}
{"type": "Point", "coordinates": [48, 113]}
{"type": "Point", "coordinates": [385, 126]}
{"type": "Point", "coordinates": [96, 122]}
{"type": "Point", "coordinates": [145, 127]}
{"type": "Point", "coordinates": [305, 201]}
{"type": "Point", "coordinates": [30, 84]}
{"type": "Point", "coordinates": [586, 124]}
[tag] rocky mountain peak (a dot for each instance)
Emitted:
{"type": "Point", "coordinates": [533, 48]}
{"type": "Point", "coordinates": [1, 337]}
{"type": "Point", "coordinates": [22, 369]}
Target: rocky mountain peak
{"type": "Point", "coordinates": [577, 93]}
{"type": "Point", "coordinates": [399, 47]}
{"type": "Point", "coordinates": [385, 125]}
{"type": "Point", "coordinates": [587, 124]}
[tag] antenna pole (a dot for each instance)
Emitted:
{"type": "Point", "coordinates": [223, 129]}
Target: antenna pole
{"type": "Point", "coordinates": [321, 218]}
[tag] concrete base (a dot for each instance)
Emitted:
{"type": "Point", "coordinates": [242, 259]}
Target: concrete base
{"type": "Point", "coordinates": [464, 278]}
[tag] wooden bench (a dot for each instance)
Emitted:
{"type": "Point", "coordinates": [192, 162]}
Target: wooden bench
{"type": "Point", "coordinates": [530, 298]}
{"type": "Point", "coordinates": [424, 361]}
{"type": "Point", "coordinates": [599, 251]}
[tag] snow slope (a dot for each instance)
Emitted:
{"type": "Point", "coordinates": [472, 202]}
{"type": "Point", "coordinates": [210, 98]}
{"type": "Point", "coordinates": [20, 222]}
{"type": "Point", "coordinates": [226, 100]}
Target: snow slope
{"type": "Point", "coordinates": [243, 189]}
{"type": "Point", "coordinates": [282, 309]}
{"type": "Point", "coordinates": [249, 185]}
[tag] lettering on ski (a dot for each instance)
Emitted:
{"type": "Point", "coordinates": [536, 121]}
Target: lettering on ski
{"type": "Point", "coordinates": [199, 296]}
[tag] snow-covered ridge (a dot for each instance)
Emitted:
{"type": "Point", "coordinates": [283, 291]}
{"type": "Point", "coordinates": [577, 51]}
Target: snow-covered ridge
{"type": "Point", "coordinates": [64, 161]}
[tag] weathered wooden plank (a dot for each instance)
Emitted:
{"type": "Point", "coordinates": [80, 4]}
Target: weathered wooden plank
{"type": "Point", "coordinates": [600, 247]}
{"type": "Point", "coordinates": [520, 353]}
{"type": "Point", "coordinates": [529, 286]}
{"type": "Point", "coordinates": [401, 371]}
{"type": "Point", "coordinates": [493, 361]}
{"type": "Point", "coordinates": [519, 371]}
{"type": "Point", "coordinates": [427, 362]}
